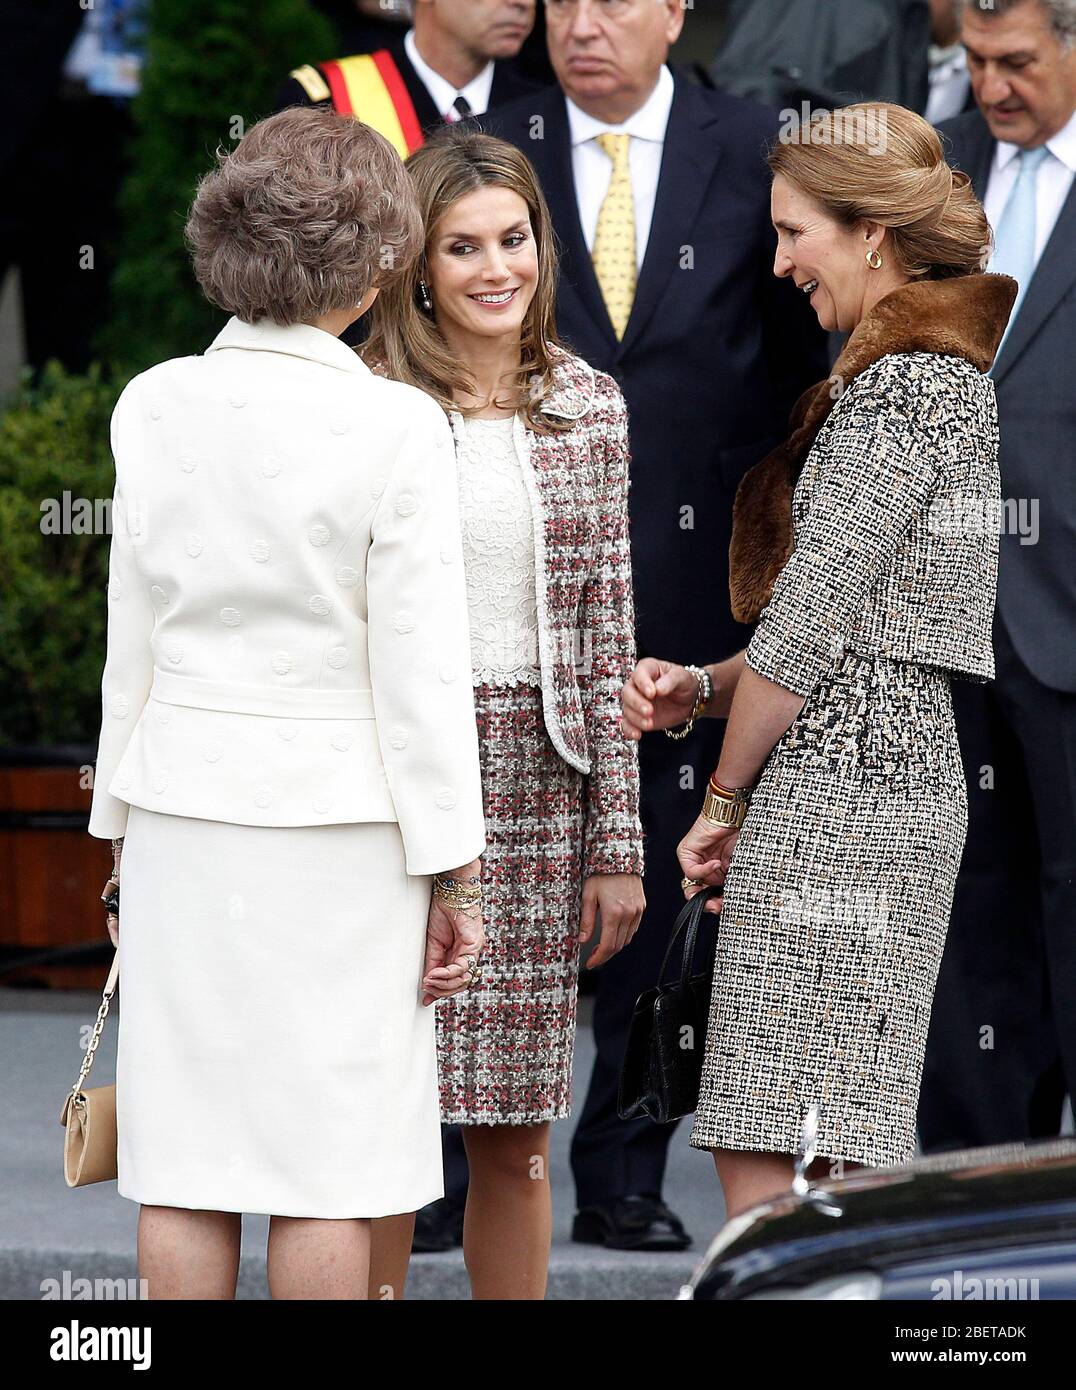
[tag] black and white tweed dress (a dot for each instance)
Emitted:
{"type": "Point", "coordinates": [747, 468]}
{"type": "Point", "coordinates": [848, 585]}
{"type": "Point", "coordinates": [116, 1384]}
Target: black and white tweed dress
{"type": "Point", "coordinates": [838, 899]}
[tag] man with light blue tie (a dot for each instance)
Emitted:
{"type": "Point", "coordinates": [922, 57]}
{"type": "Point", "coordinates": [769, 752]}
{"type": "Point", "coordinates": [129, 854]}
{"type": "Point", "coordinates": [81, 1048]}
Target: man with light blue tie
{"type": "Point", "coordinates": [1002, 1048]}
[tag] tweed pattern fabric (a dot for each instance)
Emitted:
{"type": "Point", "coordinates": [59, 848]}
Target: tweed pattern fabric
{"type": "Point", "coordinates": [839, 894]}
{"type": "Point", "coordinates": [834, 921]}
{"type": "Point", "coordinates": [505, 1045]}
{"type": "Point", "coordinates": [614, 237]}
{"type": "Point", "coordinates": [895, 525]}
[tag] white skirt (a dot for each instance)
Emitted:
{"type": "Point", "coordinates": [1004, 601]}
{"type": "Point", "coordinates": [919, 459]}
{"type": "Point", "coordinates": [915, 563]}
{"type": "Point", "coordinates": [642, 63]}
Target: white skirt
{"type": "Point", "coordinates": [274, 1054]}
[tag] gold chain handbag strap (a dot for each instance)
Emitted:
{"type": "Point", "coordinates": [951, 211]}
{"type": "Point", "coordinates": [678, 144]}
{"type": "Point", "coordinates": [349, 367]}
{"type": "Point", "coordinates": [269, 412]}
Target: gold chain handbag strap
{"type": "Point", "coordinates": [98, 1027]}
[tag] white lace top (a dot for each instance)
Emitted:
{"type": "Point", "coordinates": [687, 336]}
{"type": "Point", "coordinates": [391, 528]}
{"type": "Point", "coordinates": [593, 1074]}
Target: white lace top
{"type": "Point", "coordinates": [497, 526]}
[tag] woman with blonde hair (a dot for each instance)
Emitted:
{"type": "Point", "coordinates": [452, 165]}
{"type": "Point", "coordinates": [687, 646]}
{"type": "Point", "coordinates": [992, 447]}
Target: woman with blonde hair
{"type": "Point", "coordinates": [284, 769]}
{"type": "Point", "coordinates": [542, 452]}
{"type": "Point", "coordinates": [863, 545]}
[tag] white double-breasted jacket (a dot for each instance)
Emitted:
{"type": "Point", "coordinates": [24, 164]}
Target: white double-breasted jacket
{"type": "Point", "coordinates": [287, 634]}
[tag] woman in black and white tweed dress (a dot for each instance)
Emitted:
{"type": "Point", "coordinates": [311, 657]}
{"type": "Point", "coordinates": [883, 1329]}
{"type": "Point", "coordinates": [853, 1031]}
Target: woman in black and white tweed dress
{"type": "Point", "coordinates": [874, 581]}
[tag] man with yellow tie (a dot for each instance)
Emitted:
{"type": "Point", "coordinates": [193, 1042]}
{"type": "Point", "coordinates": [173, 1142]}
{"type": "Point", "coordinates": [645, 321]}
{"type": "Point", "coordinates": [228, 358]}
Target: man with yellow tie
{"type": "Point", "coordinates": [660, 197]}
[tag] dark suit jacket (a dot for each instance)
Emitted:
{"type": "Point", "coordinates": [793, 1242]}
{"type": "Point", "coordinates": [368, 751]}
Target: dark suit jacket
{"type": "Point", "coordinates": [1035, 379]}
{"type": "Point", "coordinates": [508, 84]}
{"type": "Point", "coordinates": [715, 353]}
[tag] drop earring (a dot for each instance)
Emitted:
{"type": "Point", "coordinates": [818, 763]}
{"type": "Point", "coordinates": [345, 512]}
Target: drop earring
{"type": "Point", "coordinates": [874, 259]}
{"type": "Point", "coordinates": [424, 295]}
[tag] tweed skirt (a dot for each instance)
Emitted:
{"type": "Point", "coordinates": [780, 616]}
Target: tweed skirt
{"type": "Point", "coordinates": [505, 1046]}
{"type": "Point", "coordinates": [835, 913]}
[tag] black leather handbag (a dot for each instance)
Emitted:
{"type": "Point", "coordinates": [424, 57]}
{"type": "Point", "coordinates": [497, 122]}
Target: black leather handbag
{"type": "Point", "coordinates": [663, 1060]}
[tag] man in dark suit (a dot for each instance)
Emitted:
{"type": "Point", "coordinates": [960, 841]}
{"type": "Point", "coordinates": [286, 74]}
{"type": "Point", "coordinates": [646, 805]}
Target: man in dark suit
{"type": "Point", "coordinates": [458, 59]}
{"type": "Point", "coordinates": [1002, 1046]}
{"type": "Point", "coordinates": [660, 196]}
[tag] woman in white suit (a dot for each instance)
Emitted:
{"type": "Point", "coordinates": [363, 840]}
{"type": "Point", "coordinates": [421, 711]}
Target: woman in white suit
{"type": "Point", "coordinates": [288, 752]}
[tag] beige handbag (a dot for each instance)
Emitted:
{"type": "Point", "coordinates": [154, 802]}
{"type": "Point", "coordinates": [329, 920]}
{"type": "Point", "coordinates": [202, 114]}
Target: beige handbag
{"type": "Point", "coordinates": [89, 1117]}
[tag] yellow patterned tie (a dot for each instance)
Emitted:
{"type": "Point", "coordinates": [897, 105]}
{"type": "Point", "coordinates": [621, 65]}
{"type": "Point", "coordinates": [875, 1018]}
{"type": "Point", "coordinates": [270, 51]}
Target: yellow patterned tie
{"type": "Point", "coordinates": [614, 239]}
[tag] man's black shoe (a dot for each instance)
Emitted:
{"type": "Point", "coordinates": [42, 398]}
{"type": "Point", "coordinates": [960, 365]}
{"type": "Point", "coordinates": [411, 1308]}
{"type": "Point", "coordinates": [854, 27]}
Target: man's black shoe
{"type": "Point", "coordinates": [640, 1221]}
{"type": "Point", "coordinates": [438, 1227]}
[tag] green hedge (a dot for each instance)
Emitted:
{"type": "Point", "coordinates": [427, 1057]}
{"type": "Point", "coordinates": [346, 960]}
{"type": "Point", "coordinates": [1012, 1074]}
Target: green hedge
{"type": "Point", "coordinates": [54, 438]}
{"type": "Point", "coordinates": [212, 68]}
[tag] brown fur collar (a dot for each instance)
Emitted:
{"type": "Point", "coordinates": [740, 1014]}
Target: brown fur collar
{"type": "Point", "coordinates": [963, 316]}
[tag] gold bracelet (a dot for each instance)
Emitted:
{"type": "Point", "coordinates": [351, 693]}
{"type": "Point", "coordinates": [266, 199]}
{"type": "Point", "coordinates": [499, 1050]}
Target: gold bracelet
{"type": "Point", "coordinates": [706, 690]}
{"type": "Point", "coordinates": [456, 894]}
{"type": "Point", "coordinates": [723, 807]}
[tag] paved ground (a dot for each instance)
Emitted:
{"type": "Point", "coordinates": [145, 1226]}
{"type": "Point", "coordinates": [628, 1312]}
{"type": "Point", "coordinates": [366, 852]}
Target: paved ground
{"type": "Point", "coordinates": [46, 1228]}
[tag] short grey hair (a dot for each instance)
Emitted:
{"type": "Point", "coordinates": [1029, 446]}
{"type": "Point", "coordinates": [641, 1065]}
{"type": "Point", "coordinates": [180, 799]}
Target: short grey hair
{"type": "Point", "coordinates": [1061, 14]}
{"type": "Point", "coordinates": [304, 216]}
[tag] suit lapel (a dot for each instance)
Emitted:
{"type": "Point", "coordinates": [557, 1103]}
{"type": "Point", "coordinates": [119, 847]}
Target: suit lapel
{"type": "Point", "coordinates": [688, 159]}
{"type": "Point", "coordinates": [1054, 276]}
{"type": "Point", "coordinates": [552, 157]}
{"type": "Point", "coordinates": [428, 115]}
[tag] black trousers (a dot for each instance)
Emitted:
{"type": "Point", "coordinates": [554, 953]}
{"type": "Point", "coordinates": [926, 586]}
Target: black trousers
{"type": "Point", "coordinates": [613, 1157]}
{"type": "Point", "coordinates": [1001, 1052]}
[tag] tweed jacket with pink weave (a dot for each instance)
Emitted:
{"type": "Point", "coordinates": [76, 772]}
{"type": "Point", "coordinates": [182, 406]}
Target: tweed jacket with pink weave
{"type": "Point", "coordinates": [577, 480]}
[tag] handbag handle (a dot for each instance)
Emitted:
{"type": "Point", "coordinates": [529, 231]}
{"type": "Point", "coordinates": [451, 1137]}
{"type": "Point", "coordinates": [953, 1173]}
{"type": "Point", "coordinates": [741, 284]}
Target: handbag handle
{"type": "Point", "coordinates": [690, 916]}
{"type": "Point", "coordinates": [98, 1027]}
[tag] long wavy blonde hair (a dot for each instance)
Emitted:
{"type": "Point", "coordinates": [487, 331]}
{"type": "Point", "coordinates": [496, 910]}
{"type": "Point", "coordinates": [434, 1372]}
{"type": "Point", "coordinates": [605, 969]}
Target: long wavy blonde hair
{"type": "Point", "coordinates": [405, 342]}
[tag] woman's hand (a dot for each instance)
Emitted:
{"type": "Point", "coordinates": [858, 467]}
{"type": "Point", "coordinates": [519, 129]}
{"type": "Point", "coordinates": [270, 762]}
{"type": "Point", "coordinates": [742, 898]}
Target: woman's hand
{"type": "Point", "coordinates": [658, 695]}
{"type": "Point", "coordinates": [454, 939]}
{"type": "Point", "coordinates": [705, 853]}
{"type": "Point", "coordinates": [112, 921]}
{"type": "Point", "coordinates": [620, 901]}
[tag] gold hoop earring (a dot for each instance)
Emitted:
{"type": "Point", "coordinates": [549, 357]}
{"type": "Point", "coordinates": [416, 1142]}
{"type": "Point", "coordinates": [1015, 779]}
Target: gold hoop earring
{"type": "Point", "coordinates": [874, 259]}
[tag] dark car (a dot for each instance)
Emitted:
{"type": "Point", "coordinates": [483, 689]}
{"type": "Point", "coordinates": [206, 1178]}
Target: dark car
{"type": "Point", "coordinates": [995, 1223]}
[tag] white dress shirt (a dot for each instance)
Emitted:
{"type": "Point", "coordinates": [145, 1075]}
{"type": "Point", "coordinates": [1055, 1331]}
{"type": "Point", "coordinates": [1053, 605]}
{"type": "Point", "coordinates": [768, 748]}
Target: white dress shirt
{"type": "Point", "coordinates": [1052, 184]}
{"type": "Point", "coordinates": [443, 94]}
{"type": "Point", "coordinates": [592, 168]}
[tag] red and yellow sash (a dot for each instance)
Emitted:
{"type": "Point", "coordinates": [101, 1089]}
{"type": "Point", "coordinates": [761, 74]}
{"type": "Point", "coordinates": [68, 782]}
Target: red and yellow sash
{"type": "Point", "coordinates": [369, 87]}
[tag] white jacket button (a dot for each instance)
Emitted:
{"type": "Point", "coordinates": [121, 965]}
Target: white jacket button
{"type": "Point", "coordinates": [259, 550]}
{"type": "Point", "coordinates": [398, 736]}
{"type": "Point", "coordinates": [287, 730]}
{"type": "Point", "coordinates": [282, 663]}
{"type": "Point", "coordinates": [342, 742]}
{"type": "Point", "coordinates": [406, 504]}
{"type": "Point", "coordinates": [160, 782]}
{"type": "Point", "coordinates": [447, 555]}
{"type": "Point", "coordinates": [155, 411]}
{"type": "Point", "coordinates": [159, 594]}
{"type": "Point", "coordinates": [447, 674]}
{"type": "Point", "coordinates": [319, 535]}
{"type": "Point", "coordinates": [229, 617]}
{"type": "Point", "coordinates": [338, 657]}
{"type": "Point", "coordinates": [270, 465]}
{"type": "Point", "coordinates": [195, 545]}
{"type": "Point", "coordinates": [322, 803]}
{"type": "Point", "coordinates": [187, 461]}
{"type": "Point", "coordinates": [339, 425]}
{"type": "Point", "coordinates": [115, 589]}
{"type": "Point", "coordinates": [404, 621]}
{"type": "Point", "coordinates": [174, 652]}
{"type": "Point", "coordinates": [263, 796]}
{"type": "Point", "coordinates": [377, 487]}
{"type": "Point", "coordinates": [445, 798]}
{"type": "Point", "coordinates": [319, 605]}
{"type": "Point", "coordinates": [347, 577]}
{"type": "Point", "coordinates": [163, 713]}
{"type": "Point", "coordinates": [119, 706]}
{"type": "Point", "coordinates": [237, 400]}
{"type": "Point", "coordinates": [212, 750]}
